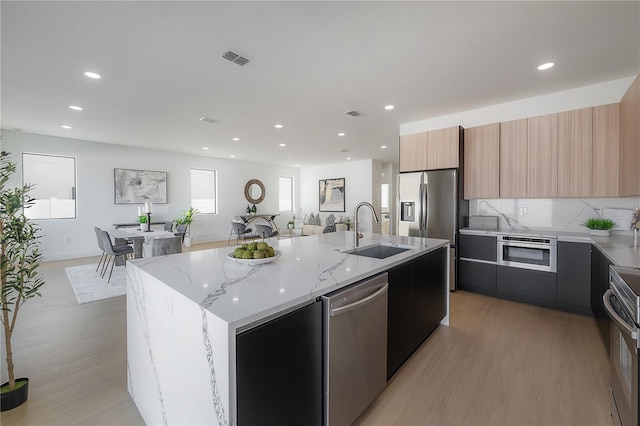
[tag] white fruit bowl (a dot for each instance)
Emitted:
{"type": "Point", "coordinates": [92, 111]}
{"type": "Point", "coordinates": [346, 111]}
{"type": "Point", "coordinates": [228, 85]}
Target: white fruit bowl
{"type": "Point", "coordinates": [252, 262]}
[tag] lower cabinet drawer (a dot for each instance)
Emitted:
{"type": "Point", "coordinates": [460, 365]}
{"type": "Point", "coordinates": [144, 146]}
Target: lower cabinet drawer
{"type": "Point", "coordinates": [526, 282]}
{"type": "Point", "coordinates": [476, 275]}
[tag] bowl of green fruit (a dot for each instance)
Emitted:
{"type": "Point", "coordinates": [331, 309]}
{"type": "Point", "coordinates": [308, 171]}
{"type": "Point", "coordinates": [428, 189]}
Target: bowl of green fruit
{"type": "Point", "coordinates": [254, 254]}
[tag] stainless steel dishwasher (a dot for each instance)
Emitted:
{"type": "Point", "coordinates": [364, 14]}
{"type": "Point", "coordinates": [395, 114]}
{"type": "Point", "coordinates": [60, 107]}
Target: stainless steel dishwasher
{"type": "Point", "coordinates": [355, 348]}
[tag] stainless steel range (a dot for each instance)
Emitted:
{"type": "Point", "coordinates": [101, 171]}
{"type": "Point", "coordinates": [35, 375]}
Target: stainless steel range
{"type": "Point", "coordinates": [622, 303]}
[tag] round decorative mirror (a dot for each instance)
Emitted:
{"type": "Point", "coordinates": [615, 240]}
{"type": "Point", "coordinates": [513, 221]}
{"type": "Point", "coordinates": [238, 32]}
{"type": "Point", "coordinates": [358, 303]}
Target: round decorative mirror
{"type": "Point", "coordinates": [254, 191]}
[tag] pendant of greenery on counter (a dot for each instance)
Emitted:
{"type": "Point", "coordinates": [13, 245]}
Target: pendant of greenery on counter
{"type": "Point", "coordinates": [599, 226]}
{"type": "Point", "coordinates": [20, 259]}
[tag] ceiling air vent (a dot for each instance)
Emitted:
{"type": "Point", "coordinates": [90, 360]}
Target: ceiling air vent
{"type": "Point", "coordinates": [353, 113]}
{"type": "Point", "coordinates": [209, 120]}
{"type": "Point", "coordinates": [235, 58]}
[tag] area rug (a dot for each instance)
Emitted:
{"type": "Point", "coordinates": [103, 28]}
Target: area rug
{"type": "Point", "coordinates": [89, 286]}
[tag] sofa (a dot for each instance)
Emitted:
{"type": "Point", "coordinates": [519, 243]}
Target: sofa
{"type": "Point", "coordinates": [314, 229]}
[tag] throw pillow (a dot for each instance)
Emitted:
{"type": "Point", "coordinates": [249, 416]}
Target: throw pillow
{"type": "Point", "coordinates": [314, 220]}
{"type": "Point", "coordinates": [306, 219]}
{"type": "Point", "coordinates": [331, 220]}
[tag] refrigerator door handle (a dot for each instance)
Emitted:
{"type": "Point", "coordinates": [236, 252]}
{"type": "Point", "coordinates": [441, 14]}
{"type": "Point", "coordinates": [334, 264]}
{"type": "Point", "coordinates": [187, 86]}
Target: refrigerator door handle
{"type": "Point", "coordinates": [419, 208]}
{"type": "Point", "coordinates": [425, 206]}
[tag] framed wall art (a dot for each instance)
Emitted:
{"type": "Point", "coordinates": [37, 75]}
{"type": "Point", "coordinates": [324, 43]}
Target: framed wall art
{"type": "Point", "coordinates": [332, 195]}
{"type": "Point", "coordinates": [139, 186]}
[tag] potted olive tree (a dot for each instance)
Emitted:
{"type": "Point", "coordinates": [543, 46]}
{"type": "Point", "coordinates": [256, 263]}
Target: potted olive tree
{"type": "Point", "coordinates": [20, 259]}
{"type": "Point", "coordinates": [186, 220]}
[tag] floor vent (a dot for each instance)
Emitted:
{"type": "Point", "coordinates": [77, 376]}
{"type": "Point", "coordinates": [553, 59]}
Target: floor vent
{"type": "Point", "coordinates": [353, 113]}
{"type": "Point", "coordinates": [235, 58]}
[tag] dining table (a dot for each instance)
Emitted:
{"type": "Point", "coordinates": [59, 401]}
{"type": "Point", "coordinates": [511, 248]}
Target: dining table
{"type": "Point", "coordinates": [269, 218]}
{"type": "Point", "coordinates": [137, 237]}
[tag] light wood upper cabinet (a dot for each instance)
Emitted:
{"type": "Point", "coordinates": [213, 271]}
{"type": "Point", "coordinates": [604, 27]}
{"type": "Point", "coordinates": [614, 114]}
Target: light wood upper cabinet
{"type": "Point", "coordinates": [542, 161]}
{"type": "Point", "coordinates": [605, 162]}
{"type": "Point", "coordinates": [513, 158]}
{"type": "Point", "coordinates": [482, 162]}
{"type": "Point", "coordinates": [575, 153]}
{"type": "Point", "coordinates": [443, 148]}
{"type": "Point", "coordinates": [413, 152]}
{"type": "Point", "coordinates": [436, 149]}
{"type": "Point", "coordinates": [630, 141]}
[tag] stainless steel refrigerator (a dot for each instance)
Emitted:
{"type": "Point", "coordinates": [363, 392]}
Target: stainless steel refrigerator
{"type": "Point", "coordinates": [430, 205]}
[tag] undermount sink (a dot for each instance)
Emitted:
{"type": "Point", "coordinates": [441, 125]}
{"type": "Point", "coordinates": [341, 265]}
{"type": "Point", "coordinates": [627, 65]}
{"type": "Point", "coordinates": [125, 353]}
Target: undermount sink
{"type": "Point", "coordinates": [378, 251]}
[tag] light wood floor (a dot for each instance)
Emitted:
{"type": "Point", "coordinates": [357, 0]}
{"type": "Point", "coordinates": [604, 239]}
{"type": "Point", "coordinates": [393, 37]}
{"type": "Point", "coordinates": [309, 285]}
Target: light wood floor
{"type": "Point", "coordinates": [499, 363]}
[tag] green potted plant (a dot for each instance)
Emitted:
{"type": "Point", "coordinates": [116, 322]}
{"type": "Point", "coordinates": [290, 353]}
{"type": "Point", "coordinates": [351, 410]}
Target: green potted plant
{"type": "Point", "coordinates": [187, 220]}
{"type": "Point", "coordinates": [599, 226]}
{"type": "Point", "coordinates": [143, 222]}
{"type": "Point", "coordinates": [20, 259]}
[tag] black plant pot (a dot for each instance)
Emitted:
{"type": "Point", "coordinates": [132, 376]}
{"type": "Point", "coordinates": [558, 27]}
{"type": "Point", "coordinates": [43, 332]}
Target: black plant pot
{"type": "Point", "coordinates": [15, 397]}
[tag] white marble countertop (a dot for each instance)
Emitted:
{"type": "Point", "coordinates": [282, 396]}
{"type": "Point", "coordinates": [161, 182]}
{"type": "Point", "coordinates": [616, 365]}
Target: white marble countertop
{"type": "Point", "coordinates": [619, 246]}
{"type": "Point", "coordinates": [309, 267]}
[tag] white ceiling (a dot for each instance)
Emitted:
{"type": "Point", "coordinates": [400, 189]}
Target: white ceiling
{"type": "Point", "coordinates": [309, 63]}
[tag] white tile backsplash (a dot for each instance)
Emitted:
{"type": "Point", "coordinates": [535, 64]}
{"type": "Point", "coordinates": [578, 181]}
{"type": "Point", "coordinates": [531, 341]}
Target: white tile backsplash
{"type": "Point", "coordinates": [562, 214]}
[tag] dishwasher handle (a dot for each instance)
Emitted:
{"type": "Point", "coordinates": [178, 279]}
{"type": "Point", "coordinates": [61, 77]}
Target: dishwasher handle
{"type": "Point", "coordinates": [621, 323]}
{"type": "Point", "coordinates": [351, 306]}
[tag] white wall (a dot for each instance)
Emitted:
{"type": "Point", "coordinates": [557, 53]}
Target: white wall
{"type": "Point", "coordinates": [597, 94]}
{"type": "Point", "coordinates": [70, 238]}
{"type": "Point", "coordinates": [358, 187]}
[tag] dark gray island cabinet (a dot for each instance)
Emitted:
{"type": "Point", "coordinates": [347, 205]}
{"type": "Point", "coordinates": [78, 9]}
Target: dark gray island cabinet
{"type": "Point", "coordinates": [417, 304]}
{"type": "Point", "coordinates": [279, 363]}
{"type": "Point", "coordinates": [213, 341]}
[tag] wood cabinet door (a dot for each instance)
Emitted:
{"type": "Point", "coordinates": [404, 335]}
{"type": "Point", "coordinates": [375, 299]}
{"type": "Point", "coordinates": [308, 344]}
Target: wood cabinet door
{"type": "Point", "coordinates": [630, 141]}
{"type": "Point", "coordinates": [575, 143]}
{"type": "Point", "coordinates": [413, 152]}
{"type": "Point", "coordinates": [542, 161]}
{"type": "Point", "coordinates": [514, 140]}
{"type": "Point", "coordinates": [482, 162]}
{"type": "Point", "coordinates": [605, 168]}
{"type": "Point", "coordinates": [443, 148]}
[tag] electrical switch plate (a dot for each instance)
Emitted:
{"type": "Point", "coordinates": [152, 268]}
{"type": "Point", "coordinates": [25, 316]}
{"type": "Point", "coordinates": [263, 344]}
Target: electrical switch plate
{"type": "Point", "coordinates": [523, 211]}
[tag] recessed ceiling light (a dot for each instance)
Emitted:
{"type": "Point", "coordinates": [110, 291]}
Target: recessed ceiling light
{"type": "Point", "coordinates": [64, 126]}
{"type": "Point", "coordinates": [205, 148]}
{"type": "Point", "coordinates": [75, 108]}
{"type": "Point", "coordinates": [341, 134]}
{"type": "Point", "coordinates": [348, 158]}
{"type": "Point", "coordinates": [282, 144]}
{"type": "Point", "coordinates": [232, 156]}
{"type": "Point", "coordinates": [383, 146]}
{"type": "Point", "coordinates": [297, 165]}
{"type": "Point", "coordinates": [92, 74]}
{"type": "Point", "coordinates": [389, 107]}
{"type": "Point", "coordinates": [546, 66]}
{"type": "Point", "coordinates": [236, 139]}
{"type": "Point", "coordinates": [278, 126]}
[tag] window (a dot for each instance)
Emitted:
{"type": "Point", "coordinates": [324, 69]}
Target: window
{"type": "Point", "coordinates": [54, 186]}
{"type": "Point", "coordinates": [384, 197]}
{"type": "Point", "coordinates": [203, 190]}
{"type": "Point", "coordinates": [285, 203]}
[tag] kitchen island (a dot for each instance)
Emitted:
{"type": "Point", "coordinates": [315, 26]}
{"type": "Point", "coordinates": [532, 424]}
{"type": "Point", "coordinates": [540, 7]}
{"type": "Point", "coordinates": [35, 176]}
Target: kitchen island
{"type": "Point", "coordinates": [184, 312]}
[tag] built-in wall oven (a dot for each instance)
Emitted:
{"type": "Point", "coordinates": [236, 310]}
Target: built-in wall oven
{"type": "Point", "coordinates": [622, 303]}
{"type": "Point", "coordinates": [528, 252]}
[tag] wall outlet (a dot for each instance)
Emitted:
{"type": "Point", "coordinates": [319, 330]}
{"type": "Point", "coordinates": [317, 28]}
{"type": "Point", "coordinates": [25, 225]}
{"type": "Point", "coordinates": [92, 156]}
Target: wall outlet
{"type": "Point", "coordinates": [523, 211]}
{"type": "Point", "coordinates": [67, 240]}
